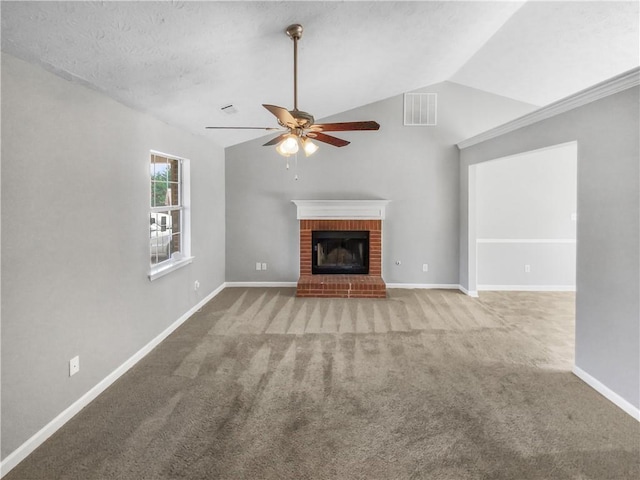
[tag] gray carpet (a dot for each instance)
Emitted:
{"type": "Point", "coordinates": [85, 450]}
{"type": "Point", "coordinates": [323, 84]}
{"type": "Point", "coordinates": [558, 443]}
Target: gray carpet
{"type": "Point", "coordinates": [426, 384]}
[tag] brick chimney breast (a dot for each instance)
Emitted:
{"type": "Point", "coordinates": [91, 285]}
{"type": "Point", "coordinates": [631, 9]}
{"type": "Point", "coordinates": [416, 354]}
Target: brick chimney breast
{"type": "Point", "coordinates": [341, 215]}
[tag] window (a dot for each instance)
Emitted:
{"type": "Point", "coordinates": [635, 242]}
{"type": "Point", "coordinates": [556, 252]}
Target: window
{"type": "Point", "coordinates": [168, 215]}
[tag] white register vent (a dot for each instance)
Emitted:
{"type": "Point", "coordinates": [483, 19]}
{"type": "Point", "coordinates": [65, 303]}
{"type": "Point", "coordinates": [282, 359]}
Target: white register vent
{"type": "Point", "coordinates": [420, 109]}
{"type": "Point", "coordinates": [341, 209]}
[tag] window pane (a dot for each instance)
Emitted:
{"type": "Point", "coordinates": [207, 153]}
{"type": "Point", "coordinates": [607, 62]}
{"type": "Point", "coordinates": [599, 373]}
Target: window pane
{"type": "Point", "coordinates": [173, 194]}
{"type": "Point", "coordinates": [175, 243]}
{"type": "Point", "coordinates": [175, 221]}
{"type": "Point", "coordinates": [173, 178]}
{"type": "Point", "coordinates": [153, 194]}
{"type": "Point", "coordinates": [154, 238]}
{"type": "Point", "coordinates": [174, 169]}
{"type": "Point", "coordinates": [160, 236]}
{"type": "Point", "coordinates": [152, 173]}
{"type": "Point", "coordinates": [159, 181]}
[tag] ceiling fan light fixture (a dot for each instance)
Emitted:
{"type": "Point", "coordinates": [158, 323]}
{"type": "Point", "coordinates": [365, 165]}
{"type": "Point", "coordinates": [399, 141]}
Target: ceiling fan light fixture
{"type": "Point", "coordinates": [281, 152]}
{"type": "Point", "coordinates": [288, 146]}
{"type": "Point", "coordinates": [309, 147]}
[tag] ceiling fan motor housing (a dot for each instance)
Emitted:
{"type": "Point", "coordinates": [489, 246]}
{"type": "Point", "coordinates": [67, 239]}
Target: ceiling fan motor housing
{"type": "Point", "coordinates": [304, 119]}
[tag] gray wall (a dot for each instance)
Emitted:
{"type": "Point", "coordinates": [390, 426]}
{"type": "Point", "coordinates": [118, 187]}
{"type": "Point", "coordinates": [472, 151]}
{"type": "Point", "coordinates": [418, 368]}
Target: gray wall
{"type": "Point", "coordinates": [524, 207]}
{"type": "Point", "coordinates": [75, 241]}
{"type": "Point", "coordinates": [608, 230]}
{"type": "Point", "coordinates": [414, 167]}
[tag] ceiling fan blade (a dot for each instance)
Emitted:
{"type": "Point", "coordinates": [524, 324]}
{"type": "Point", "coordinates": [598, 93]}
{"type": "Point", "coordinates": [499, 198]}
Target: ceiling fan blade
{"type": "Point", "coordinates": [276, 140]}
{"type": "Point", "coordinates": [247, 128]}
{"type": "Point", "coordinates": [283, 115]}
{"type": "Point", "coordinates": [345, 126]}
{"type": "Point", "coordinates": [321, 137]}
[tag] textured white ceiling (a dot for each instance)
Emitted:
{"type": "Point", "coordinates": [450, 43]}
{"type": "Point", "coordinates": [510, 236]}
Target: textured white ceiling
{"type": "Point", "coordinates": [182, 61]}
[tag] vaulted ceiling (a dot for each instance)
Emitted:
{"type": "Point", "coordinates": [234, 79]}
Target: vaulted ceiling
{"type": "Point", "coordinates": [183, 61]}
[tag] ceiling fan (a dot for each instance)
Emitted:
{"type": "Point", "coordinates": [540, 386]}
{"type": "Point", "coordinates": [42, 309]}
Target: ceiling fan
{"type": "Point", "coordinates": [300, 126]}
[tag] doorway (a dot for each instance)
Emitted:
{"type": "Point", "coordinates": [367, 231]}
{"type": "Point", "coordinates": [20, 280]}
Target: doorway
{"type": "Point", "coordinates": [523, 220]}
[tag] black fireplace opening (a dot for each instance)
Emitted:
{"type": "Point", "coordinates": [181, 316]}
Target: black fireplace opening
{"type": "Point", "coordinates": [340, 252]}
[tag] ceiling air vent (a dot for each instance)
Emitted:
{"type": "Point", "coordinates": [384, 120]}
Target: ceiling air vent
{"type": "Point", "coordinates": [229, 109]}
{"type": "Point", "coordinates": [420, 109]}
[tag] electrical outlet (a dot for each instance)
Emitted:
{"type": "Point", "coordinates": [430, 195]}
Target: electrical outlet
{"type": "Point", "coordinates": [258, 266]}
{"type": "Point", "coordinates": [264, 266]}
{"type": "Point", "coordinates": [527, 269]}
{"type": "Point", "coordinates": [74, 365]}
{"type": "Point", "coordinates": [425, 267]}
{"type": "Point", "coordinates": [196, 285]}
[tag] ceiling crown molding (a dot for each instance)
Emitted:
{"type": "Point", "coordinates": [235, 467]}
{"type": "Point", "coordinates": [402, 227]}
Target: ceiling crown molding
{"type": "Point", "coordinates": [600, 90]}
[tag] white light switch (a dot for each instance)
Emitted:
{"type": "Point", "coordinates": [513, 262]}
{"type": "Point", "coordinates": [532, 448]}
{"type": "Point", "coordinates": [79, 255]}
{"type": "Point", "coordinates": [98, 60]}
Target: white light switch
{"type": "Point", "coordinates": [264, 266]}
{"type": "Point", "coordinates": [258, 266]}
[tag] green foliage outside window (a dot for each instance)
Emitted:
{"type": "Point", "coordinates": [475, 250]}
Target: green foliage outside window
{"type": "Point", "coordinates": [159, 191]}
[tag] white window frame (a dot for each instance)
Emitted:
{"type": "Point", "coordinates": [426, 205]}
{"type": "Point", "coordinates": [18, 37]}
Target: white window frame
{"type": "Point", "coordinates": [183, 257]}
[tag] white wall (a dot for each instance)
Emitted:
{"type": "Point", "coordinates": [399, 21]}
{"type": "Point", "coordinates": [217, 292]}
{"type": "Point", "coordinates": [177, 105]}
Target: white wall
{"type": "Point", "coordinates": [525, 215]}
{"type": "Point", "coordinates": [414, 167]}
{"type": "Point", "coordinates": [75, 241]}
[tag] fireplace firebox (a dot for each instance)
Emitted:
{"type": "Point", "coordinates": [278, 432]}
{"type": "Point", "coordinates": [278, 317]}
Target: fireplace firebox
{"type": "Point", "coordinates": [340, 252]}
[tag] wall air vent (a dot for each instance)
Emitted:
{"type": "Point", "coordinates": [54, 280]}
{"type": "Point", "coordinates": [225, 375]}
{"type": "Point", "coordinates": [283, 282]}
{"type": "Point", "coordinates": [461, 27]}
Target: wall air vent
{"type": "Point", "coordinates": [420, 109]}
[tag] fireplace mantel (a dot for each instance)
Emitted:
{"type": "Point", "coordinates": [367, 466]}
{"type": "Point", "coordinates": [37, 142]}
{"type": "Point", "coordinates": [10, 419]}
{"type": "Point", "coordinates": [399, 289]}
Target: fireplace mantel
{"type": "Point", "coordinates": [341, 209]}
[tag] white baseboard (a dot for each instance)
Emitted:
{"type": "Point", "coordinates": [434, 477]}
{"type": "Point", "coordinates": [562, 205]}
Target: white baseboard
{"type": "Point", "coordinates": [20, 453]}
{"type": "Point", "coordinates": [261, 284]}
{"type": "Point", "coordinates": [445, 286]}
{"type": "Point", "coordinates": [527, 288]}
{"type": "Point", "coordinates": [607, 393]}
{"type": "Point", "coordinates": [471, 293]}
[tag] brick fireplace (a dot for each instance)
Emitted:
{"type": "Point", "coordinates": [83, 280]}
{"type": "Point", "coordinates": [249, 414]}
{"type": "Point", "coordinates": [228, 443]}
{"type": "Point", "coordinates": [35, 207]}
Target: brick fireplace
{"type": "Point", "coordinates": [341, 216]}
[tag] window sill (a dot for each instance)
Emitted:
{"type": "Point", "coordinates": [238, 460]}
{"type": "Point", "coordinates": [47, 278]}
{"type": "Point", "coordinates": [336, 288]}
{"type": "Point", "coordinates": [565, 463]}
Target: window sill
{"type": "Point", "coordinates": [168, 267]}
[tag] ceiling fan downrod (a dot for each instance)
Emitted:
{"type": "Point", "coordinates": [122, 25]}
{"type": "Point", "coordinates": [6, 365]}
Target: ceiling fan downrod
{"type": "Point", "coordinates": [294, 32]}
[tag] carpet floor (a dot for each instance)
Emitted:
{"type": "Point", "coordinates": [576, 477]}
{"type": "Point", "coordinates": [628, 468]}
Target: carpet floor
{"type": "Point", "coordinates": [426, 384]}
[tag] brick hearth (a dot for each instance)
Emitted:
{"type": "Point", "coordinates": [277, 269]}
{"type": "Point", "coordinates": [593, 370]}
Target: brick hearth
{"type": "Point", "coordinates": [341, 286]}
{"type": "Point", "coordinates": [344, 286]}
